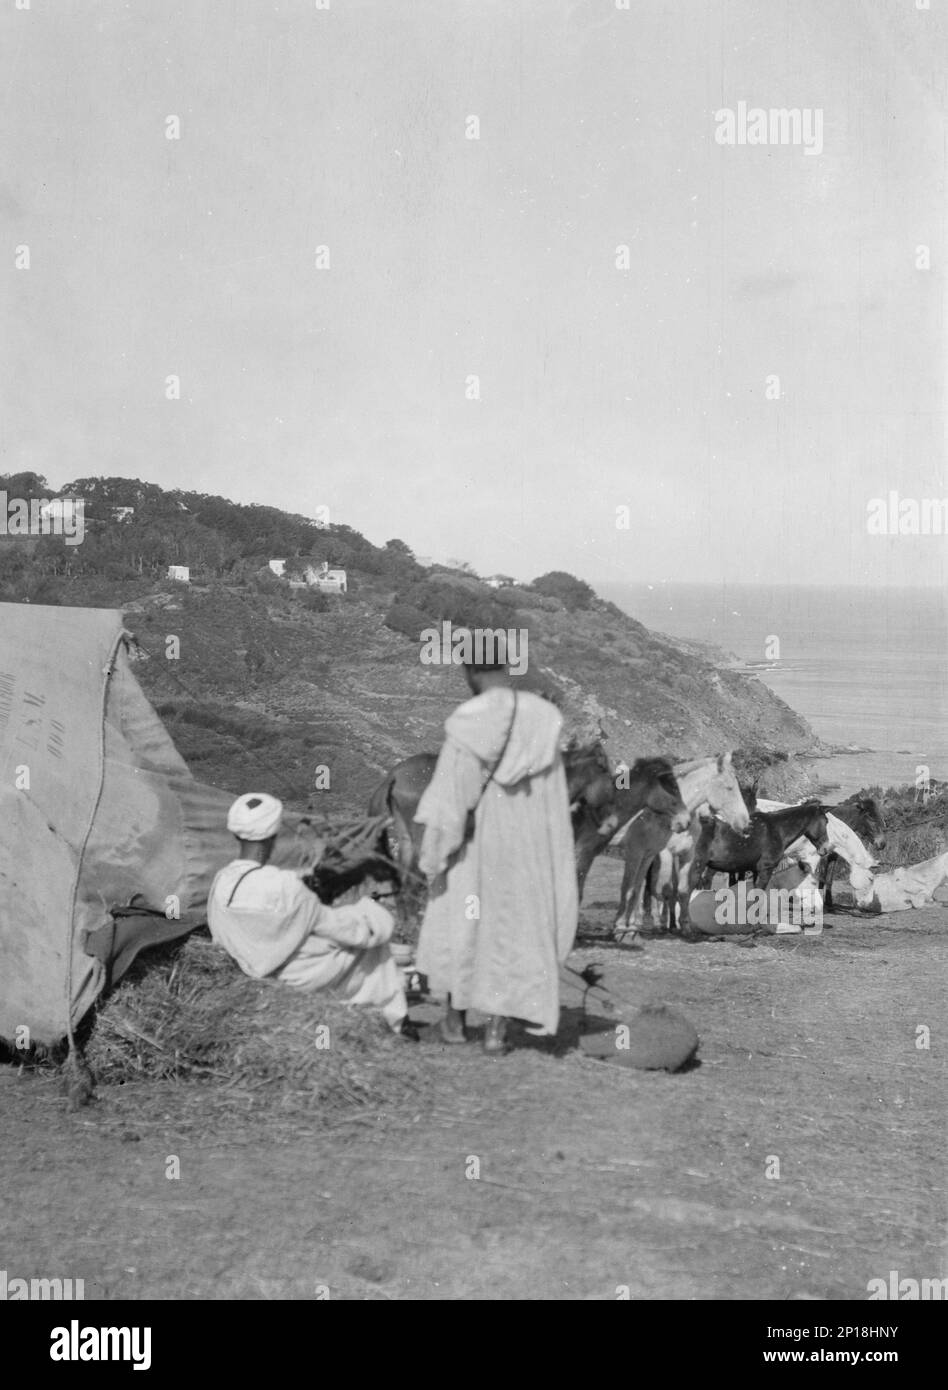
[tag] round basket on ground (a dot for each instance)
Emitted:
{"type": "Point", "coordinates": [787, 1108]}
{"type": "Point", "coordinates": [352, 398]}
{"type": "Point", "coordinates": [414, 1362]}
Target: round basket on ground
{"type": "Point", "coordinates": [701, 913]}
{"type": "Point", "coordinates": [657, 1038]}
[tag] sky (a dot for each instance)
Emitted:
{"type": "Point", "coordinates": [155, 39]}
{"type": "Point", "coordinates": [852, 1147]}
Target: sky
{"type": "Point", "coordinates": [598, 387]}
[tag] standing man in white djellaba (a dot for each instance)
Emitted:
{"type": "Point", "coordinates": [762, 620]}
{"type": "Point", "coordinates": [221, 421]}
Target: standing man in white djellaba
{"type": "Point", "coordinates": [503, 904]}
{"type": "Point", "coordinates": [272, 924]}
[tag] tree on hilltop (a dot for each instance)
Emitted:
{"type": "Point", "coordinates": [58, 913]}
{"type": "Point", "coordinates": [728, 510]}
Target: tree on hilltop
{"type": "Point", "coordinates": [573, 593]}
{"type": "Point", "coordinates": [27, 485]}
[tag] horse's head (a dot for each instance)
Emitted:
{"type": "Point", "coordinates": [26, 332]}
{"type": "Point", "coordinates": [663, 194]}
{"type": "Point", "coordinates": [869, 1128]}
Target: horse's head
{"type": "Point", "coordinates": [662, 794]}
{"type": "Point", "coordinates": [816, 828]}
{"type": "Point", "coordinates": [726, 798]}
{"type": "Point", "coordinates": [863, 888]}
{"type": "Point", "coordinates": [588, 774]}
{"type": "Point", "coordinates": [869, 823]}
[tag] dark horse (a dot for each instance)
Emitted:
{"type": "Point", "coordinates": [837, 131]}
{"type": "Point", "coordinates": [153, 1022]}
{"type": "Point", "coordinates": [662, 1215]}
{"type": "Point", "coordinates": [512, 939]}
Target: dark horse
{"type": "Point", "coordinates": [864, 815]}
{"type": "Point", "coordinates": [398, 796]}
{"type": "Point", "coordinates": [598, 808]}
{"type": "Point", "coordinates": [761, 847]}
{"type": "Point", "coordinates": [600, 811]}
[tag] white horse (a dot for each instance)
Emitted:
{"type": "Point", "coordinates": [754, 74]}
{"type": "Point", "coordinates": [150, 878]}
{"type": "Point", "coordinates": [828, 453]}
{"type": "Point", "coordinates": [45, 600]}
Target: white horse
{"type": "Point", "coordinates": [910, 885]}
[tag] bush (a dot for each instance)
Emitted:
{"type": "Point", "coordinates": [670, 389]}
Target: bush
{"type": "Point", "coordinates": [465, 604]}
{"type": "Point", "coordinates": [266, 582]}
{"type": "Point", "coordinates": [403, 618]}
{"type": "Point", "coordinates": [516, 597]}
{"type": "Point", "coordinates": [572, 592]}
{"type": "Point", "coordinates": [48, 591]}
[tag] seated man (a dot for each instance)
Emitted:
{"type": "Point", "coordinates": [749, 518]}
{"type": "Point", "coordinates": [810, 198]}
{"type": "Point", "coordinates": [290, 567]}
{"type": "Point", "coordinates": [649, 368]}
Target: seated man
{"type": "Point", "coordinates": [271, 923]}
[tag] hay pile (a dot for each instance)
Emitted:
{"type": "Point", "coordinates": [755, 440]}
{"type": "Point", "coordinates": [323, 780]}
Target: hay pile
{"type": "Point", "coordinates": [188, 1012]}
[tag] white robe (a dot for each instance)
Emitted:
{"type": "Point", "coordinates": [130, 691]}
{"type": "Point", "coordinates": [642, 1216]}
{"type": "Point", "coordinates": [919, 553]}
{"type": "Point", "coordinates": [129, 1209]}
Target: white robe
{"type": "Point", "coordinates": [502, 909]}
{"type": "Point", "coordinates": [273, 925]}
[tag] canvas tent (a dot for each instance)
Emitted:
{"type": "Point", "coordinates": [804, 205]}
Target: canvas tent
{"type": "Point", "coordinates": [97, 808]}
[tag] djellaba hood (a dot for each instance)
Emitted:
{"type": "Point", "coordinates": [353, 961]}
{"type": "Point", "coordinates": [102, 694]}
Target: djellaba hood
{"type": "Point", "coordinates": [480, 725]}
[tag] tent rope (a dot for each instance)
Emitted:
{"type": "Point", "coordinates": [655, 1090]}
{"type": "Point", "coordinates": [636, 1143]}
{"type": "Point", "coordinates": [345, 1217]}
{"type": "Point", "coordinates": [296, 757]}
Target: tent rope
{"type": "Point", "coordinates": [108, 671]}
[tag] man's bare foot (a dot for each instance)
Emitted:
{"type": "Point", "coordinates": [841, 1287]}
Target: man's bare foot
{"type": "Point", "coordinates": [495, 1035]}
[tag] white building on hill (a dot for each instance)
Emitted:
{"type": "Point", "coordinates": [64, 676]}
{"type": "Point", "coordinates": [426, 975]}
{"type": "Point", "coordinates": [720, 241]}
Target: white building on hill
{"type": "Point", "coordinates": [63, 512]}
{"type": "Point", "coordinates": [330, 581]}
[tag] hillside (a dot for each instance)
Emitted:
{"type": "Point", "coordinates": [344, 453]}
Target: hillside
{"type": "Point", "coordinates": [267, 684]}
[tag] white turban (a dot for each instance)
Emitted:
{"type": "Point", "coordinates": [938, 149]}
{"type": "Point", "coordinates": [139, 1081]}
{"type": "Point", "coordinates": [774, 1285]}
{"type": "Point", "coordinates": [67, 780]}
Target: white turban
{"type": "Point", "coordinates": [255, 816]}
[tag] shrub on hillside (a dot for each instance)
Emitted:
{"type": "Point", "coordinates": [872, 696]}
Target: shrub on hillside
{"type": "Point", "coordinates": [753, 760]}
{"type": "Point", "coordinates": [612, 610]}
{"type": "Point", "coordinates": [915, 829]}
{"type": "Point", "coordinates": [266, 582]}
{"type": "Point", "coordinates": [572, 592]}
{"type": "Point", "coordinates": [403, 618]}
{"type": "Point", "coordinates": [464, 605]}
{"type": "Point", "coordinates": [45, 590]}
{"type": "Point", "coordinates": [513, 596]}
{"type": "Point", "coordinates": [540, 684]}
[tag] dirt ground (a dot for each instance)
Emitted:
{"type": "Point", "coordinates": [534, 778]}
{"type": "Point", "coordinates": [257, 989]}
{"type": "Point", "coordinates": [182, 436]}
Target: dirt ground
{"type": "Point", "coordinates": [594, 1180]}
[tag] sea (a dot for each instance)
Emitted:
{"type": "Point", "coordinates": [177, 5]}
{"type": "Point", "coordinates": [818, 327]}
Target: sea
{"type": "Point", "coordinates": [867, 668]}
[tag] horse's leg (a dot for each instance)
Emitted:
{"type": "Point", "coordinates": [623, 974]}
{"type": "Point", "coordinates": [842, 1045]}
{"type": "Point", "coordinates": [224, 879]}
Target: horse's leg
{"type": "Point", "coordinates": [764, 871]}
{"type": "Point", "coordinates": [631, 883]}
{"type": "Point", "coordinates": [649, 896]}
{"type": "Point", "coordinates": [669, 895]}
{"type": "Point", "coordinates": [624, 910]}
{"type": "Point", "coordinates": [648, 892]}
{"type": "Point", "coordinates": [669, 913]}
{"type": "Point", "coordinates": [588, 844]}
{"type": "Point", "coordinates": [690, 873]}
{"type": "Point", "coordinates": [664, 882]}
{"type": "Point", "coordinates": [826, 880]}
{"type": "Point", "coordinates": [638, 889]}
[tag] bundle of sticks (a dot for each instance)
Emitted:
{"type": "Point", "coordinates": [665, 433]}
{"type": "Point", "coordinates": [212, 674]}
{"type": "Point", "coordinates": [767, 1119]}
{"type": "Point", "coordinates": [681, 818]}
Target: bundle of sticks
{"type": "Point", "coordinates": [353, 852]}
